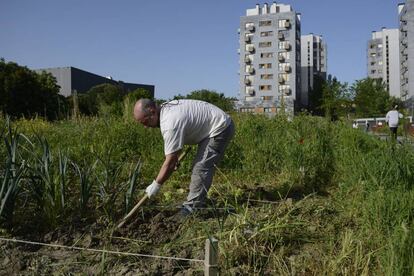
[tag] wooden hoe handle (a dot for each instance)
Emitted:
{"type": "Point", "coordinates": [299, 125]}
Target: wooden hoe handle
{"type": "Point", "coordinates": [132, 212]}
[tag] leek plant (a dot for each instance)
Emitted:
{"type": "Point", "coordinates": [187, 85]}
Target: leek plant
{"type": "Point", "coordinates": [12, 177]}
{"type": "Point", "coordinates": [85, 183]}
{"type": "Point", "coordinates": [109, 184]}
{"type": "Point", "coordinates": [48, 181]}
{"type": "Point", "coordinates": [131, 186]}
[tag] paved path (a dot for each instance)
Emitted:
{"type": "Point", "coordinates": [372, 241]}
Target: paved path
{"type": "Point", "coordinates": [386, 137]}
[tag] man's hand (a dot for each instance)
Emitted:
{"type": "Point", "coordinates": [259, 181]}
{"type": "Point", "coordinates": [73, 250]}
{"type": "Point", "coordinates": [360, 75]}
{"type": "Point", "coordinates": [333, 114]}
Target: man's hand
{"type": "Point", "coordinates": [153, 189]}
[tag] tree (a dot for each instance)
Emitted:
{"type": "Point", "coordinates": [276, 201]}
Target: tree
{"type": "Point", "coordinates": [25, 93]}
{"type": "Point", "coordinates": [336, 98]}
{"type": "Point", "coordinates": [107, 97]}
{"type": "Point", "coordinates": [55, 105]}
{"type": "Point", "coordinates": [218, 99]}
{"type": "Point", "coordinates": [316, 95]}
{"type": "Point", "coordinates": [139, 93]}
{"type": "Point", "coordinates": [372, 98]}
{"type": "Point", "coordinates": [130, 100]}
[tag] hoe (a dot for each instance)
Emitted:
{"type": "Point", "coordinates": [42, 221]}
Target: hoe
{"type": "Point", "coordinates": [145, 197]}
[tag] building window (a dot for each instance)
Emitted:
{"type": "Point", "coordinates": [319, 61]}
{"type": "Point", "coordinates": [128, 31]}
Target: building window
{"type": "Point", "coordinates": [267, 110]}
{"type": "Point", "coordinates": [265, 87]}
{"type": "Point", "coordinates": [248, 38]}
{"type": "Point", "coordinates": [246, 109]}
{"type": "Point", "coordinates": [269, 33]}
{"type": "Point", "coordinates": [249, 69]}
{"type": "Point", "coordinates": [266, 55]}
{"type": "Point", "coordinates": [283, 35]}
{"type": "Point", "coordinates": [265, 23]}
{"type": "Point", "coordinates": [249, 25]}
{"type": "Point", "coordinates": [283, 78]}
{"type": "Point", "coordinates": [248, 80]}
{"type": "Point", "coordinates": [284, 56]}
{"type": "Point", "coordinates": [284, 23]}
{"type": "Point", "coordinates": [284, 89]}
{"type": "Point", "coordinates": [266, 98]}
{"type": "Point", "coordinates": [284, 67]}
{"type": "Point", "coordinates": [265, 44]}
{"type": "Point", "coordinates": [265, 65]}
{"type": "Point", "coordinates": [266, 76]}
{"type": "Point", "coordinates": [249, 48]}
{"type": "Point", "coordinates": [284, 45]}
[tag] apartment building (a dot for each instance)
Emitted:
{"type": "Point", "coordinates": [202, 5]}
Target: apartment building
{"type": "Point", "coordinates": [313, 64]}
{"type": "Point", "coordinates": [406, 32]}
{"type": "Point", "coordinates": [269, 59]}
{"type": "Point", "coordinates": [383, 58]}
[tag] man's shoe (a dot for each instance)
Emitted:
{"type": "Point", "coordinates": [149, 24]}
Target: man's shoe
{"type": "Point", "coordinates": [185, 211]}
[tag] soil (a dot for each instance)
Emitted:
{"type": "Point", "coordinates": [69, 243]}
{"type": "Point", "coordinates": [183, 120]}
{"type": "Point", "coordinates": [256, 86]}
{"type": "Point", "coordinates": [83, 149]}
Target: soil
{"type": "Point", "coordinates": [147, 234]}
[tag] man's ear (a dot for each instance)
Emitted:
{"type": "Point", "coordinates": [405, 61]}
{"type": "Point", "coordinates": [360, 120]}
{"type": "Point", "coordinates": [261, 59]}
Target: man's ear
{"type": "Point", "coordinates": [153, 110]}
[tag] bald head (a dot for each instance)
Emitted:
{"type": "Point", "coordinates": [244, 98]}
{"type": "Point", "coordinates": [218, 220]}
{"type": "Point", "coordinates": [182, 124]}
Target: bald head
{"type": "Point", "coordinates": [146, 112]}
{"type": "Point", "coordinates": [142, 107]}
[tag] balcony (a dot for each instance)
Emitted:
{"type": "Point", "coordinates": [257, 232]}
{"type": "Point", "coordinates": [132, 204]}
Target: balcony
{"type": "Point", "coordinates": [247, 60]}
{"type": "Point", "coordinates": [247, 81]}
{"type": "Point", "coordinates": [250, 48]}
{"type": "Point", "coordinates": [248, 39]}
{"type": "Point", "coordinates": [287, 91]}
{"type": "Point", "coordinates": [287, 68]}
{"type": "Point", "coordinates": [251, 71]}
{"type": "Point", "coordinates": [281, 80]}
{"type": "Point", "coordinates": [281, 58]}
{"type": "Point", "coordinates": [288, 47]}
{"type": "Point", "coordinates": [281, 36]}
{"type": "Point", "coordinates": [250, 91]}
{"type": "Point", "coordinates": [250, 28]}
{"type": "Point", "coordinates": [287, 24]}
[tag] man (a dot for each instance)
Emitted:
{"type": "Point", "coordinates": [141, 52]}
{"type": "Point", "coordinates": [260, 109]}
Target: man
{"type": "Point", "coordinates": [188, 122]}
{"type": "Point", "coordinates": [392, 118]}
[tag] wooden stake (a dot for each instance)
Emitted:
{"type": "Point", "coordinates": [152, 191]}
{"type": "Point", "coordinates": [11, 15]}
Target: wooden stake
{"type": "Point", "coordinates": [211, 257]}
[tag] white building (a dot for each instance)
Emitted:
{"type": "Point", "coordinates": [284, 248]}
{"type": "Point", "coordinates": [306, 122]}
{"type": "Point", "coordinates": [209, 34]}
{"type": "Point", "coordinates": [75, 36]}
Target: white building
{"type": "Point", "coordinates": [269, 59]}
{"type": "Point", "coordinates": [384, 59]}
{"type": "Point", "coordinates": [406, 18]}
{"type": "Point", "coordinates": [313, 63]}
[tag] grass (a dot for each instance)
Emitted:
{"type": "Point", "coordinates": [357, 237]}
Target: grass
{"type": "Point", "coordinates": [345, 200]}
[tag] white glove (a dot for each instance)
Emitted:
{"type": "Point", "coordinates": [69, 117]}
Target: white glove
{"type": "Point", "coordinates": [153, 189]}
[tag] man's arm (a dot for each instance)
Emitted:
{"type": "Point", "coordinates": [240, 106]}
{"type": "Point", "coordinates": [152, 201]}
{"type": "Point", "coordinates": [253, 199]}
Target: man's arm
{"type": "Point", "coordinates": [167, 167]}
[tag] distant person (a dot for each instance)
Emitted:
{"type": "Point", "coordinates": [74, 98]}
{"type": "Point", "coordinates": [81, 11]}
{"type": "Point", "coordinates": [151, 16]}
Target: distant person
{"type": "Point", "coordinates": [366, 126]}
{"type": "Point", "coordinates": [392, 118]}
{"type": "Point", "coordinates": [355, 125]}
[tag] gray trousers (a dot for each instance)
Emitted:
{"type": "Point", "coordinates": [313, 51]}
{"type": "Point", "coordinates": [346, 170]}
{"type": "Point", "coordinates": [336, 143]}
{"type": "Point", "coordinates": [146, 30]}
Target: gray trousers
{"type": "Point", "coordinates": [209, 153]}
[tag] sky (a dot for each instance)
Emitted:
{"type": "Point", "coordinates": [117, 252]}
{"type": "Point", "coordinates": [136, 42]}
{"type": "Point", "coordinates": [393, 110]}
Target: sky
{"type": "Point", "coordinates": [179, 46]}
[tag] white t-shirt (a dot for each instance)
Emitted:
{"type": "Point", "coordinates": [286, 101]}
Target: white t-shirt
{"type": "Point", "coordinates": [392, 118]}
{"type": "Point", "coordinates": [188, 122]}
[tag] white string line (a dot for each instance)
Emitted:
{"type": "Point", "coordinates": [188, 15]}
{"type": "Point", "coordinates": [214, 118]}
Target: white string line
{"type": "Point", "coordinates": [264, 201]}
{"type": "Point", "coordinates": [178, 207]}
{"type": "Point", "coordinates": [100, 250]}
